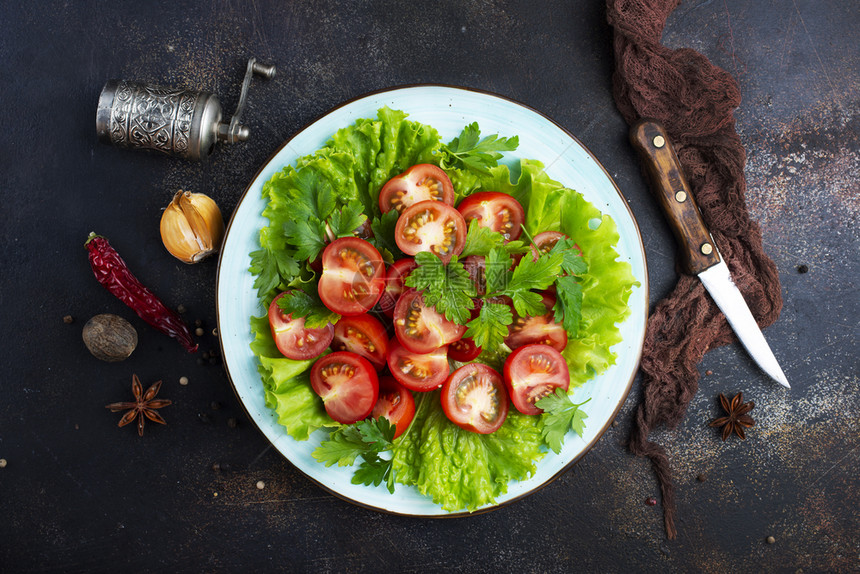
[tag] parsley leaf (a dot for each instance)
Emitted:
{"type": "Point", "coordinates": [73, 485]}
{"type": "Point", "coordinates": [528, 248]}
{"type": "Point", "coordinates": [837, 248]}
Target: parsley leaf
{"type": "Point", "coordinates": [479, 241]}
{"type": "Point", "coordinates": [560, 414]}
{"type": "Point", "coordinates": [490, 327]}
{"type": "Point", "coordinates": [367, 439]}
{"type": "Point", "coordinates": [568, 304]}
{"type": "Point", "coordinates": [374, 470]}
{"type": "Point", "coordinates": [342, 447]}
{"type": "Point", "coordinates": [383, 233]}
{"type": "Point", "coordinates": [448, 288]}
{"type": "Point", "coordinates": [469, 150]}
{"type": "Point", "coordinates": [271, 267]}
{"type": "Point", "coordinates": [528, 275]}
{"type": "Point", "coordinates": [302, 304]}
{"type": "Point", "coordinates": [497, 267]}
{"type": "Point", "coordinates": [343, 223]}
{"type": "Point", "coordinates": [572, 261]}
{"type": "Point", "coordinates": [307, 236]}
{"type": "Point", "coordinates": [311, 196]}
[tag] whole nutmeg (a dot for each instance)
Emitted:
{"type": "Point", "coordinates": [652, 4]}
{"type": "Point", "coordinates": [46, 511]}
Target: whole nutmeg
{"type": "Point", "coordinates": [110, 337]}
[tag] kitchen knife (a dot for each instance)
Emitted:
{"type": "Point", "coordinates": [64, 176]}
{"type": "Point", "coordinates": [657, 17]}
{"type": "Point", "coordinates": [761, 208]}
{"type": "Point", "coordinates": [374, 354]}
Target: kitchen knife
{"type": "Point", "coordinates": [698, 252]}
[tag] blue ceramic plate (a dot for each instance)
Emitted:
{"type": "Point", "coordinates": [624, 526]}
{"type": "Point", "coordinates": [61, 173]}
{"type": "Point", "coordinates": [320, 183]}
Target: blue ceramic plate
{"type": "Point", "coordinates": [447, 109]}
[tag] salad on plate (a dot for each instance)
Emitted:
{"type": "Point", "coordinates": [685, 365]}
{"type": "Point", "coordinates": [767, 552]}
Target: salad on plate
{"type": "Point", "coordinates": [432, 307]}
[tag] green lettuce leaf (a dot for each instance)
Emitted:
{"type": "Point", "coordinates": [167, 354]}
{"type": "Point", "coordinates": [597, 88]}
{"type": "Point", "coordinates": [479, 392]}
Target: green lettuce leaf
{"type": "Point", "coordinates": [460, 469]}
{"type": "Point", "coordinates": [287, 387]}
{"type": "Point", "coordinates": [606, 288]}
{"type": "Point", "coordinates": [362, 141]}
{"type": "Point", "coordinates": [404, 144]}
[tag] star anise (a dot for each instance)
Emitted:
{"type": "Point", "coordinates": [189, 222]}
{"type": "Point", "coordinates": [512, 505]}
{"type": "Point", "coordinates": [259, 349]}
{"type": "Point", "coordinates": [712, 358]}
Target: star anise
{"type": "Point", "coordinates": [144, 406]}
{"type": "Point", "coordinates": [737, 418]}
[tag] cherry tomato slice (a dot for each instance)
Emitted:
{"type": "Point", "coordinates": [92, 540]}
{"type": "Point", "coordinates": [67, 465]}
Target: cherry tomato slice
{"type": "Point", "coordinates": [532, 373]}
{"type": "Point", "coordinates": [422, 329]}
{"type": "Point", "coordinates": [416, 371]}
{"type": "Point", "coordinates": [347, 384]}
{"type": "Point", "coordinates": [495, 210]}
{"type": "Point", "coordinates": [431, 226]}
{"type": "Point", "coordinates": [541, 329]}
{"type": "Point", "coordinates": [293, 340]}
{"type": "Point", "coordinates": [395, 403]}
{"type": "Point", "coordinates": [464, 350]}
{"type": "Point", "coordinates": [363, 335]}
{"type": "Point", "coordinates": [476, 266]}
{"type": "Point", "coordinates": [422, 182]}
{"type": "Point", "coordinates": [545, 241]}
{"type": "Point", "coordinates": [394, 284]}
{"type": "Point", "coordinates": [474, 398]}
{"type": "Point", "coordinates": [353, 276]}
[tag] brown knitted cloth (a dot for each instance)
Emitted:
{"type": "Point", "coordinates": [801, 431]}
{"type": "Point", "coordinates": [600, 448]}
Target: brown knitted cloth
{"type": "Point", "coordinates": [694, 100]}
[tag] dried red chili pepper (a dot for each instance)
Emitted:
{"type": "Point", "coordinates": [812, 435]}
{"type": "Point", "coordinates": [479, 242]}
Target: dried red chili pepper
{"type": "Point", "coordinates": [112, 272]}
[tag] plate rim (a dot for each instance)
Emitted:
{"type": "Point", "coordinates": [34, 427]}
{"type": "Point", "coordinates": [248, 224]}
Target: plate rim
{"type": "Point", "coordinates": [644, 286]}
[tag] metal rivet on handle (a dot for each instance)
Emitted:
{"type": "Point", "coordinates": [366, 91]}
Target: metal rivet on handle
{"type": "Point", "coordinates": [680, 196]}
{"type": "Point", "coordinates": [707, 248]}
{"type": "Point", "coordinates": [659, 141]}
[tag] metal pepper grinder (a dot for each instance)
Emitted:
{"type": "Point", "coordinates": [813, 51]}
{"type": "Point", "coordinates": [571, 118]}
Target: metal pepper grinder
{"type": "Point", "coordinates": [179, 122]}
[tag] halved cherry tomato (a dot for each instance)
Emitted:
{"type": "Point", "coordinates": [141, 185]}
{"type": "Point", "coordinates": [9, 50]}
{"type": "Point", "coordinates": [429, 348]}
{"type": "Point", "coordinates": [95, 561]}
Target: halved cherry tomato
{"type": "Point", "coordinates": [532, 373]}
{"type": "Point", "coordinates": [479, 302]}
{"type": "Point", "coordinates": [422, 329]}
{"type": "Point", "coordinates": [422, 182]}
{"type": "Point", "coordinates": [363, 335]}
{"type": "Point", "coordinates": [476, 266]}
{"type": "Point", "coordinates": [363, 231]}
{"type": "Point", "coordinates": [395, 403]}
{"type": "Point", "coordinates": [347, 384]}
{"type": "Point", "coordinates": [431, 226]}
{"type": "Point", "coordinates": [464, 350]}
{"type": "Point", "coordinates": [474, 398]}
{"type": "Point", "coordinates": [544, 242]}
{"type": "Point", "coordinates": [497, 211]}
{"type": "Point", "coordinates": [353, 276]}
{"type": "Point", "coordinates": [541, 329]}
{"type": "Point", "coordinates": [416, 371]}
{"type": "Point", "coordinates": [394, 284]}
{"type": "Point", "coordinates": [293, 340]}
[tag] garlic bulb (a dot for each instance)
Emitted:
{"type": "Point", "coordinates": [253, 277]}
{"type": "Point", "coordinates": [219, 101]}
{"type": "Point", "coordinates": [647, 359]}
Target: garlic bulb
{"type": "Point", "coordinates": [192, 226]}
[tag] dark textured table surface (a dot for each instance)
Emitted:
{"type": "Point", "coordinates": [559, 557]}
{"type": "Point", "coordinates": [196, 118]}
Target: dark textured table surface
{"type": "Point", "coordinates": [79, 494]}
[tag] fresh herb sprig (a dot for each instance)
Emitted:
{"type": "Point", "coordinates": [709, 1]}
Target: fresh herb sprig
{"type": "Point", "coordinates": [479, 241]}
{"type": "Point", "coordinates": [319, 217]}
{"type": "Point", "coordinates": [560, 414]}
{"type": "Point", "coordinates": [470, 150]}
{"type": "Point", "coordinates": [383, 228]}
{"type": "Point", "coordinates": [271, 266]}
{"type": "Point", "coordinates": [568, 289]}
{"type": "Point", "coordinates": [368, 439]}
{"type": "Point", "coordinates": [448, 288]}
{"type": "Point", "coordinates": [307, 304]}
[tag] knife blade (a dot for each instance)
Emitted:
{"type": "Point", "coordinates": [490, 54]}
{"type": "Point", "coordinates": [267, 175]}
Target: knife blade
{"type": "Point", "coordinates": [699, 253]}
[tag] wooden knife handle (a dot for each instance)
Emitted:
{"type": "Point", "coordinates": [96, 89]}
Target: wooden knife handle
{"type": "Point", "coordinates": [698, 251]}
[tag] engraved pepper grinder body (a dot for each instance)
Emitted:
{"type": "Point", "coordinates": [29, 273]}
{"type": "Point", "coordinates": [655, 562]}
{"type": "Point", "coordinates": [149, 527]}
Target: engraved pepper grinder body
{"type": "Point", "coordinates": [178, 122]}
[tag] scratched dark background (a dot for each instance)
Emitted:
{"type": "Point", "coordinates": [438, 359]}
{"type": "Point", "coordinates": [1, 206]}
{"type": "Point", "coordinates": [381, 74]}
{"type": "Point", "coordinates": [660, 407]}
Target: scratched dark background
{"type": "Point", "coordinates": [79, 494]}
